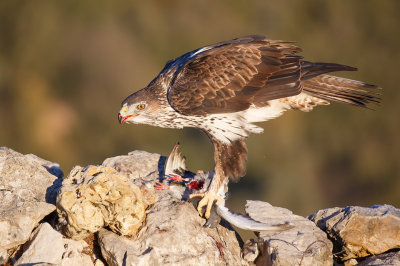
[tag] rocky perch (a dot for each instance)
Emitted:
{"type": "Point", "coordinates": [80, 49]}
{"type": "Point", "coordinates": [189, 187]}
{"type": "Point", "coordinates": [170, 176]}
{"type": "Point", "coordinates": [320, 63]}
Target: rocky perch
{"type": "Point", "coordinates": [110, 214]}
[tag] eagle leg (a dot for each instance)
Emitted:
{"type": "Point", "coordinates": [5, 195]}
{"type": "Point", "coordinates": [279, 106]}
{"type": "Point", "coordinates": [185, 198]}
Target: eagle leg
{"type": "Point", "coordinates": [230, 162]}
{"type": "Point", "coordinates": [211, 195]}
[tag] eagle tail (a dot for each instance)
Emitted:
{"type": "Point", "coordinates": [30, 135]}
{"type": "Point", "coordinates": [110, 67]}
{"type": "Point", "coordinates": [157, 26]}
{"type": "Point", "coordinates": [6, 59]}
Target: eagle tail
{"type": "Point", "coordinates": [338, 89]}
{"type": "Point", "coordinates": [313, 69]}
{"type": "Point", "coordinates": [331, 88]}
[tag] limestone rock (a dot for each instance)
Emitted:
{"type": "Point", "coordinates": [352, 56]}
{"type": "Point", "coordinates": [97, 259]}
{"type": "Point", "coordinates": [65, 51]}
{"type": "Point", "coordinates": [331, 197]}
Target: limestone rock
{"type": "Point", "coordinates": [305, 244]}
{"type": "Point", "coordinates": [142, 168]}
{"type": "Point", "coordinates": [359, 231]}
{"type": "Point", "coordinates": [3, 257]}
{"type": "Point", "coordinates": [387, 259]}
{"type": "Point", "coordinates": [149, 194]}
{"type": "Point", "coordinates": [99, 196]}
{"type": "Point", "coordinates": [137, 165]}
{"type": "Point", "coordinates": [173, 235]}
{"type": "Point", "coordinates": [98, 262]}
{"type": "Point", "coordinates": [250, 251]}
{"type": "Point", "coordinates": [52, 167]}
{"type": "Point", "coordinates": [48, 246]}
{"type": "Point", "coordinates": [26, 190]}
{"type": "Point", "coordinates": [75, 253]}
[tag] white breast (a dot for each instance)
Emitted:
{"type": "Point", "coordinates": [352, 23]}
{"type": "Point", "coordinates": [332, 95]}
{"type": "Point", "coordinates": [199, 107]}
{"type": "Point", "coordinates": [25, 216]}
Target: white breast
{"type": "Point", "coordinates": [233, 126]}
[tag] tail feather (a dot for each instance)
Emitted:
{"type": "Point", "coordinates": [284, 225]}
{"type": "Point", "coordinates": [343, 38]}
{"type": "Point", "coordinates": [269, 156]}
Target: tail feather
{"type": "Point", "coordinates": [310, 69]}
{"type": "Point", "coordinates": [342, 90]}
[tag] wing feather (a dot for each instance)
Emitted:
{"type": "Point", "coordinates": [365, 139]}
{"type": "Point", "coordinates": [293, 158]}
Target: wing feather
{"type": "Point", "coordinates": [230, 76]}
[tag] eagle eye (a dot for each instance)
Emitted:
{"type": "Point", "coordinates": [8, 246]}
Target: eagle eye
{"type": "Point", "coordinates": [140, 106]}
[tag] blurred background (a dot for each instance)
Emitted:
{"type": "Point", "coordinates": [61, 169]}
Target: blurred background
{"type": "Point", "coordinates": [65, 67]}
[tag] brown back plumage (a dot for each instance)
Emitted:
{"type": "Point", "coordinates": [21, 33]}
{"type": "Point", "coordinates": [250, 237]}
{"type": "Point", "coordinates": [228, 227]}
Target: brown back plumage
{"type": "Point", "coordinates": [230, 76]}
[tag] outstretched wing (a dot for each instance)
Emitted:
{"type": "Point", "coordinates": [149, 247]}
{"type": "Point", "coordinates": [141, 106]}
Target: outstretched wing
{"type": "Point", "coordinates": [230, 76]}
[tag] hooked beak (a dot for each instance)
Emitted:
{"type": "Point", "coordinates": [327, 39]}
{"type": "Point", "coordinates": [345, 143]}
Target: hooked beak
{"type": "Point", "coordinates": [122, 119]}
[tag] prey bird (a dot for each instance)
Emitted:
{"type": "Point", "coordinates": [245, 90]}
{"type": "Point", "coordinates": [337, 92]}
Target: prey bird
{"type": "Point", "coordinates": [224, 88]}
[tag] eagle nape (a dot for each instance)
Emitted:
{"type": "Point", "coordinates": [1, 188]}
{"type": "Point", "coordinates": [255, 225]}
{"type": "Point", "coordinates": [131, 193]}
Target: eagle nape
{"type": "Point", "coordinates": [224, 88]}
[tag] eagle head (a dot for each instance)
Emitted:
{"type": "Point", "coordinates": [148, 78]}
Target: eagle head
{"type": "Point", "coordinates": [138, 108]}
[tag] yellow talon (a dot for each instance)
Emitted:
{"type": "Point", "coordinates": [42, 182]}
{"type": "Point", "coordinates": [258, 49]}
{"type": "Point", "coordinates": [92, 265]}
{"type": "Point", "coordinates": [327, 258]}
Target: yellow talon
{"type": "Point", "coordinates": [195, 195]}
{"type": "Point", "coordinates": [208, 200]}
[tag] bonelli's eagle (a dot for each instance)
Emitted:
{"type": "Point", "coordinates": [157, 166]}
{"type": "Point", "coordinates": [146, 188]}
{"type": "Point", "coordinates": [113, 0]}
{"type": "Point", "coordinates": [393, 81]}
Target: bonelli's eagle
{"type": "Point", "coordinates": [224, 88]}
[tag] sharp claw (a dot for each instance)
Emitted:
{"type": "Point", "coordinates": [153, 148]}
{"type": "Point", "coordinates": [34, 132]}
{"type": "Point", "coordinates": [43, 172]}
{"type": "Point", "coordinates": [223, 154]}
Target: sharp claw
{"type": "Point", "coordinates": [208, 208]}
{"type": "Point", "coordinates": [207, 201]}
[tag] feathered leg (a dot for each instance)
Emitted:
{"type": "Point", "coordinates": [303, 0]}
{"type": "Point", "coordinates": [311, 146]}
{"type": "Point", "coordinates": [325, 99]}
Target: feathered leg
{"type": "Point", "coordinates": [230, 162]}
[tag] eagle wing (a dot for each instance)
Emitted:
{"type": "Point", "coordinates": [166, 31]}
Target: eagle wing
{"type": "Point", "coordinates": [230, 76]}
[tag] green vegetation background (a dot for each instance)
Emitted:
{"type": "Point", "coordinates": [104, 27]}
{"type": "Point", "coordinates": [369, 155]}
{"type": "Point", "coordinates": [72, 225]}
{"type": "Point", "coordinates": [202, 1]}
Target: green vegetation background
{"type": "Point", "coordinates": [65, 67]}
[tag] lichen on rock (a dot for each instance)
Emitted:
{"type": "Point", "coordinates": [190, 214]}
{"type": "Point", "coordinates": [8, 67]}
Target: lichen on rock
{"type": "Point", "coordinates": [97, 196]}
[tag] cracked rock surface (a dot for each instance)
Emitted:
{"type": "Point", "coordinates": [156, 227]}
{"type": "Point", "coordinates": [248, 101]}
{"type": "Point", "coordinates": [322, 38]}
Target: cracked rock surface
{"type": "Point", "coordinates": [387, 259]}
{"type": "Point", "coordinates": [138, 166]}
{"type": "Point", "coordinates": [117, 198]}
{"type": "Point", "coordinates": [27, 191]}
{"type": "Point", "coordinates": [359, 231]}
{"type": "Point", "coordinates": [173, 235]}
{"type": "Point", "coordinates": [305, 244]}
{"type": "Point", "coordinates": [46, 245]}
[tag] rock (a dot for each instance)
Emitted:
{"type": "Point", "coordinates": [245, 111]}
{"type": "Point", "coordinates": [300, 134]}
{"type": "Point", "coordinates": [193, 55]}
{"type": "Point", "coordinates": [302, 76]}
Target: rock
{"type": "Point", "coordinates": [51, 167]}
{"type": "Point", "coordinates": [54, 169]}
{"type": "Point", "coordinates": [250, 250]}
{"type": "Point", "coordinates": [149, 194]}
{"type": "Point", "coordinates": [17, 224]}
{"type": "Point", "coordinates": [391, 258]}
{"type": "Point", "coordinates": [137, 165]}
{"type": "Point", "coordinates": [98, 196]}
{"type": "Point", "coordinates": [26, 190]}
{"type": "Point", "coordinates": [173, 235]}
{"type": "Point", "coordinates": [74, 253]}
{"type": "Point", "coordinates": [48, 246]}
{"type": "Point", "coordinates": [351, 262]}
{"type": "Point", "coordinates": [98, 262]}
{"type": "Point", "coordinates": [116, 194]}
{"type": "Point", "coordinates": [142, 168]}
{"type": "Point", "coordinates": [305, 244]}
{"type": "Point", "coordinates": [3, 257]}
{"type": "Point", "coordinates": [359, 231]}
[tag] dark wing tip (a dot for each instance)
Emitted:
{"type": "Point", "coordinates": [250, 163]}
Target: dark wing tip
{"type": "Point", "coordinates": [372, 86]}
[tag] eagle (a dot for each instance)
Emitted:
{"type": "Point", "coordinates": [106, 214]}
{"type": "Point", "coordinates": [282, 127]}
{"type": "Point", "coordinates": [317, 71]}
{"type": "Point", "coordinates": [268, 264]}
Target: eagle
{"type": "Point", "coordinates": [224, 88]}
